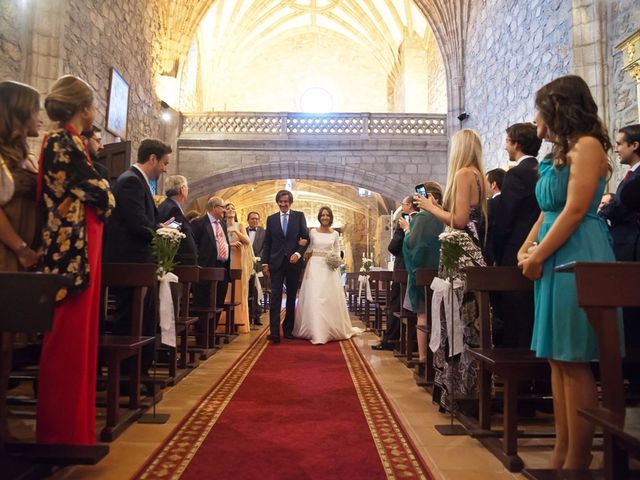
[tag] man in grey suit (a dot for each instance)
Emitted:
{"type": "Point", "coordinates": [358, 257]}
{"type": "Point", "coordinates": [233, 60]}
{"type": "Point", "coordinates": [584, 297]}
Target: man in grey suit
{"type": "Point", "coordinates": [256, 234]}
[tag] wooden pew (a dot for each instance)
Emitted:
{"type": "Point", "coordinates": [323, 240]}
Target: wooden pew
{"type": "Point", "coordinates": [352, 290]}
{"type": "Point", "coordinates": [601, 288]}
{"type": "Point", "coordinates": [208, 316]}
{"type": "Point", "coordinates": [381, 296]}
{"type": "Point", "coordinates": [230, 329]}
{"type": "Point", "coordinates": [27, 302]}
{"type": "Point", "coordinates": [510, 364]}
{"type": "Point", "coordinates": [114, 349]}
{"type": "Point", "coordinates": [425, 374]}
{"type": "Point", "coordinates": [407, 347]}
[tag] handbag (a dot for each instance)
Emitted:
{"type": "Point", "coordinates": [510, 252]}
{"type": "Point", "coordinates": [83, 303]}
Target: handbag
{"type": "Point", "coordinates": [7, 186]}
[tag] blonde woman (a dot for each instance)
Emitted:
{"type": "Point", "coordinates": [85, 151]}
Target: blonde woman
{"type": "Point", "coordinates": [465, 209]}
{"type": "Point", "coordinates": [76, 201]}
{"type": "Point", "coordinates": [241, 258]}
{"type": "Point", "coordinates": [20, 114]}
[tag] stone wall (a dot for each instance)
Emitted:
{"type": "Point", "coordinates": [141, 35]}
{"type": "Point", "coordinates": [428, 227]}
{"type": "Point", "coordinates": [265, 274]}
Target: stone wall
{"type": "Point", "coordinates": [623, 20]}
{"type": "Point", "coordinates": [12, 46]}
{"type": "Point", "coordinates": [513, 48]}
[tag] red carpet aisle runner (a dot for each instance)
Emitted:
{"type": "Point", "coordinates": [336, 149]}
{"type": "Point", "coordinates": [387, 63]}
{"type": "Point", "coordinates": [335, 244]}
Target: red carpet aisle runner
{"type": "Point", "coordinates": [290, 411]}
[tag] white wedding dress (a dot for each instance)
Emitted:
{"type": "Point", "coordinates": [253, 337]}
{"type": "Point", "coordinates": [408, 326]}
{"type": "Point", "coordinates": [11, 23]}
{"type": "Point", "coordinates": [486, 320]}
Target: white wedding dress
{"type": "Point", "coordinates": [321, 313]}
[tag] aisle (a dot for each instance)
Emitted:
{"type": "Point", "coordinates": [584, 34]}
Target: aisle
{"type": "Point", "coordinates": [292, 410]}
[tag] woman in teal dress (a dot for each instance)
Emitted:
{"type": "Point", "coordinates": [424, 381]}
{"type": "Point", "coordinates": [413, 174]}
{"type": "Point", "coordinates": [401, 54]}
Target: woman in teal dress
{"type": "Point", "coordinates": [421, 249]}
{"type": "Point", "coordinates": [572, 180]}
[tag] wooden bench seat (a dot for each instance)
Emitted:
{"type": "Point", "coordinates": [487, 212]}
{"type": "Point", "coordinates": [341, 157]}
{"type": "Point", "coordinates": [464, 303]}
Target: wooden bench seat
{"type": "Point", "coordinates": [208, 316]}
{"type": "Point", "coordinates": [510, 364]}
{"type": "Point", "coordinates": [425, 374]}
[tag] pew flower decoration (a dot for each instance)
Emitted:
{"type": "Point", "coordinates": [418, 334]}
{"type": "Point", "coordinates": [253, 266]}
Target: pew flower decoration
{"type": "Point", "coordinates": [367, 263]}
{"type": "Point", "coordinates": [164, 247]}
{"type": "Point", "coordinates": [457, 251]}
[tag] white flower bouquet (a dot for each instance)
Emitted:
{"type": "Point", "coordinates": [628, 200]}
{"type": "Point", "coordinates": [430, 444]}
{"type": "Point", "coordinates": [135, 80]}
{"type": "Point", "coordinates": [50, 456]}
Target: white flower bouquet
{"type": "Point", "coordinates": [164, 247]}
{"type": "Point", "coordinates": [333, 261]}
{"type": "Point", "coordinates": [367, 263]}
{"type": "Point", "coordinates": [457, 252]}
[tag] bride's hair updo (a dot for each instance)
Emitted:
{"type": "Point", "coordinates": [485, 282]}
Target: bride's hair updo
{"type": "Point", "coordinates": [322, 209]}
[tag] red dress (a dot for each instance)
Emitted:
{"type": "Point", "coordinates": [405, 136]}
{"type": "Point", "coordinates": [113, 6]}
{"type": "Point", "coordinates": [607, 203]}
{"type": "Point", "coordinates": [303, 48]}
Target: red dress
{"type": "Point", "coordinates": [76, 200]}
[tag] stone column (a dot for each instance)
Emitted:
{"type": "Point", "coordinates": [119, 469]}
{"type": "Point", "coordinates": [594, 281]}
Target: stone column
{"type": "Point", "coordinates": [631, 51]}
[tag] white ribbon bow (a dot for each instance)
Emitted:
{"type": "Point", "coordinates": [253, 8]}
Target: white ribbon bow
{"type": "Point", "coordinates": [455, 330]}
{"type": "Point", "coordinates": [363, 281]}
{"type": "Point", "coordinates": [167, 316]}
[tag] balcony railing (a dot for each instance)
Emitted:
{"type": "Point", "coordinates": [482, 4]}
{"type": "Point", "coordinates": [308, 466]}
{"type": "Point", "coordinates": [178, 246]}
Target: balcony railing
{"type": "Point", "coordinates": [286, 124]}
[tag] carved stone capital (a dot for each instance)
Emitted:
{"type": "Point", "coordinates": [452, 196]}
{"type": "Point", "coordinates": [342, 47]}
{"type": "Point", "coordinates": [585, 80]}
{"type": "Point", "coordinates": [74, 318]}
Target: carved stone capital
{"type": "Point", "coordinates": [630, 48]}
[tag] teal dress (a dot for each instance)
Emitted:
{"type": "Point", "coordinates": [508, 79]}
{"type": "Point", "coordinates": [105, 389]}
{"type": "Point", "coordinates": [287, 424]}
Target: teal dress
{"type": "Point", "coordinates": [561, 330]}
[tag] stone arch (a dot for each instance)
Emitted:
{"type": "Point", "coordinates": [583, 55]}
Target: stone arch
{"type": "Point", "coordinates": [384, 185]}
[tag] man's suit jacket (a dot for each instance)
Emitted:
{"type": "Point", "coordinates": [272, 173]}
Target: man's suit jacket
{"type": "Point", "coordinates": [625, 226]}
{"type": "Point", "coordinates": [258, 241]}
{"type": "Point", "coordinates": [630, 196]}
{"type": "Point", "coordinates": [395, 248]}
{"type": "Point", "coordinates": [517, 211]}
{"type": "Point", "coordinates": [187, 252]}
{"type": "Point", "coordinates": [278, 248]}
{"type": "Point", "coordinates": [129, 231]}
{"type": "Point", "coordinates": [206, 243]}
{"type": "Point", "coordinates": [493, 204]}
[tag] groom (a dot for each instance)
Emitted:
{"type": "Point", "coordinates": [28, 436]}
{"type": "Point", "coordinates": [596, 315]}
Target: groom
{"type": "Point", "coordinates": [281, 257]}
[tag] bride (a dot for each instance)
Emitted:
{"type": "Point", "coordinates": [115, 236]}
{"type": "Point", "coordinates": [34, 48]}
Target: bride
{"type": "Point", "coordinates": [321, 314]}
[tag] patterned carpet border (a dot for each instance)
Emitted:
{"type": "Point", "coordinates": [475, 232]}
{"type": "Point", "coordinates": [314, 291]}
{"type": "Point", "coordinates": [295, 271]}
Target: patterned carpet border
{"type": "Point", "coordinates": [171, 459]}
{"type": "Point", "coordinates": [397, 451]}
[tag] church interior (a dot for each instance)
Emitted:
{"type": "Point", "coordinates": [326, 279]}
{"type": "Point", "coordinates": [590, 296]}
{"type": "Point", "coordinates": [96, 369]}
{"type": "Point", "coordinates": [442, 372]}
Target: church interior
{"type": "Point", "coordinates": [346, 104]}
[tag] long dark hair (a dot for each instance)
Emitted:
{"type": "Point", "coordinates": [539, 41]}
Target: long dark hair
{"type": "Point", "coordinates": [569, 112]}
{"type": "Point", "coordinates": [18, 102]}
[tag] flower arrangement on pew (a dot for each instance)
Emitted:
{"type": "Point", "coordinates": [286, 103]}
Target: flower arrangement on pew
{"type": "Point", "coordinates": [457, 252]}
{"type": "Point", "coordinates": [367, 263]}
{"type": "Point", "coordinates": [164, 246]}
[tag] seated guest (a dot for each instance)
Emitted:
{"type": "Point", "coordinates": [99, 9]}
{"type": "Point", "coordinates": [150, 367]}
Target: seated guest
{"type": "Point", "coordinates": [20, 114]}
{"type": "Point", "coordinates": [212, 242]}
{"type": "Point", "coordinates": [129, 236]}
{"type": "Point", "coordinates": [421, 249]}
{"type": "Point", "coordinates": [177, 191]}
{"type": "Point", "coordinates": [392, 333]}
{"type": "Point", "coordinates": [76, 200]}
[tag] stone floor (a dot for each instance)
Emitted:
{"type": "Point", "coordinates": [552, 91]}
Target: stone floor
{"type": "Point", "coordinates": [456, 458]}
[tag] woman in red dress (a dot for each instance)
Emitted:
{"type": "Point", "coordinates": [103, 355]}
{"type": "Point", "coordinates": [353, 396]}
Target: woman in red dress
{"type": "Point", "coordinates": [76, 201]}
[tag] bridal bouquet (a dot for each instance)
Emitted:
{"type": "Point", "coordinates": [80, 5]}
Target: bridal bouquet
{"type": "Point", "coordinates": [164, 247]}
{"type": "Point", "coordinates": [457, 252]}
{"type": "Point", "coordinates": [333, 261]}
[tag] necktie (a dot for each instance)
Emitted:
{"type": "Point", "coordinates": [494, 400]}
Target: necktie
{"type": "Point", "coordinates": [628, 175]}
{"type": "Point", "coordinates": [285, 222]}
{"type": "Point", "coordinates": [220, 242]}
{"type": "Point", "coordinates": [252, 229]}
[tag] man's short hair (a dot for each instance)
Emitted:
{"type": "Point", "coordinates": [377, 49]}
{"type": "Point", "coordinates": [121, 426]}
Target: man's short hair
{"type": "Point", "coordinates": [91, 132]}
{"type": "Point", "coordinates": [282, 193]}
{"type": "Point", "coordinates": [151, 146]}
{"type": "Point", "coordinates": [525, 135]}
{"type": "Point", "coordinates": [632, 134]}
{"type": "Point", "coordinates": [173, 185]}
{"type": "Point", "coordinates": [252, 213]}
{"type": "Point", "coordinates": [213, 201]}
{"type": "Point", "coordinates": [434, 188]}
{"type": "Point", "coordinates": [496, 175]}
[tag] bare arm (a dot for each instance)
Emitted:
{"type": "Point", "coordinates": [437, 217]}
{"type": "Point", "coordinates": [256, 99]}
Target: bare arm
{"type": "Point", "coordinates": [530, 241]}
{"type": "Point", "coordinates": [465, 181]}
{"type": "Point", "coordinates": [242, 234]}
{"type": "Point", "coordinates": [26, 256]}
{"type": "Point", "coordinates": [587, 164]}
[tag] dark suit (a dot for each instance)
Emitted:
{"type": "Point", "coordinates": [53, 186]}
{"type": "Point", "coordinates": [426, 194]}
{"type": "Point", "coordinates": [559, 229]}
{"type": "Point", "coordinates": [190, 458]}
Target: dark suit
{"type": "Point", "coordinates": [252, 291]}
{"type": "Point", "coordinates": [515, 214]}
{"type": "Point", "coordinates": [187, 252]}
{"type": "Point", "coordinates": [129, 240]}
{"type": "Point", "coordinates": [489, 248]}
{"type": "Point", "coordinates": [392, 333]}
{"type": "Point", "coordinates": [630, 195]}
{"type": "Point", "coordinates": [276, 253]}
{"type": "Point", "coordinates": [625, 230]}
{"type": "Point", "coordinates": [208, 257]}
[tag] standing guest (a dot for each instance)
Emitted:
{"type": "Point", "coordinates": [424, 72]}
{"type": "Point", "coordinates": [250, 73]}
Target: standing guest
{"type": "Point", "coordinates": [256, 234]}
{"type": "Point", "coordinates": [240, 258]}
{"type": "Point", "coordinates": [93, 141]}
{"type": "Point", "coordinates": [392, 332]}
{"type": "Point", "coordinates": [516, 213]}
{"type": "Point", "coordinates": [464, 209]}
{"type": "Point", "coordinates": [606, 199]}
{"type": "Point", "coordinates": [495, 178]}
{"type": "Point", "coordinates": [212, 242]}
{"type": "Point", "coordinates": [76, 200]}
{"type": "Point", "coordinates": [177, 191]}
{"type": "Point", "coordinates": [129, 236]}
{"type": "Point", "coordinates": [20, 118]}
{"type": "Point", "coordinates": [421, 249]}
{"type": "Point", "coordinates": [568, 229]}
